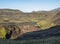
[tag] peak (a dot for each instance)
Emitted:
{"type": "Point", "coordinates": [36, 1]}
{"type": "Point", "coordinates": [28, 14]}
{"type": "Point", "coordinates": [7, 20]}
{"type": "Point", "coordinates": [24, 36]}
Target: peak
{"type": "Point", "coordinates": [57, 9]}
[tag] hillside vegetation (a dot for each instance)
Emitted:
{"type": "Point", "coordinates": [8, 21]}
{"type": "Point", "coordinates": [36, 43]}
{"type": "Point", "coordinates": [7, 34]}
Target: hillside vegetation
{"type": "Point", "coordinates": [2, 32]}
{"type": "Point", "coordinates": [15, 22]}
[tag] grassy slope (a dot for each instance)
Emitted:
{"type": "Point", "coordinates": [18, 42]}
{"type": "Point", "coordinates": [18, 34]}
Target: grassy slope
{"type": "Point", "coordinates": [53, 32]}
{"type": "Point", "coordinates": [48, 40]}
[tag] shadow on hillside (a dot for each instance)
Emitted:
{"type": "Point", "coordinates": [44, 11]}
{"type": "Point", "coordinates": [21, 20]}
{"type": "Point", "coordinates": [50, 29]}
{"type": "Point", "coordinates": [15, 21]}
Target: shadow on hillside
{"type": "Point", "coordinates": [54, 31]}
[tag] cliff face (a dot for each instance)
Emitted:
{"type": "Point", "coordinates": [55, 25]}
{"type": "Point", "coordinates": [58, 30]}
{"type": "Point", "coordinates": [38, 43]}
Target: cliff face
{"type": "Point", "coordinates": [15, 30]}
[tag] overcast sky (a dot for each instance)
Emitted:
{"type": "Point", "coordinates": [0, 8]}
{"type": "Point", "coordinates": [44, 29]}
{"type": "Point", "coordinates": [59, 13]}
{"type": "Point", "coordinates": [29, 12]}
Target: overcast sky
{"type": "Point", "coordinates": [30, 5]}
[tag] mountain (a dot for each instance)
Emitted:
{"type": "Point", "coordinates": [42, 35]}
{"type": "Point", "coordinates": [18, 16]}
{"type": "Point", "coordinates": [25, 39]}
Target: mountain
{"type": "Point", "coordinates": [16, 22]}
{"type": "Point", "coordinates": [57, 9]}
{"type": "Point", "coordinates": [17, 16]}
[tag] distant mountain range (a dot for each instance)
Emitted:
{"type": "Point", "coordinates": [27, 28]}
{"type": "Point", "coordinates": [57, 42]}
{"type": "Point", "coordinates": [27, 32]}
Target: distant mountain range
{"type": "Point", "coordinates": [58, 9]}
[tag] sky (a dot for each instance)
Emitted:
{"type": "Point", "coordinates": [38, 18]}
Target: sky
{"type": "Point", "coordinates": [29, 5]}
